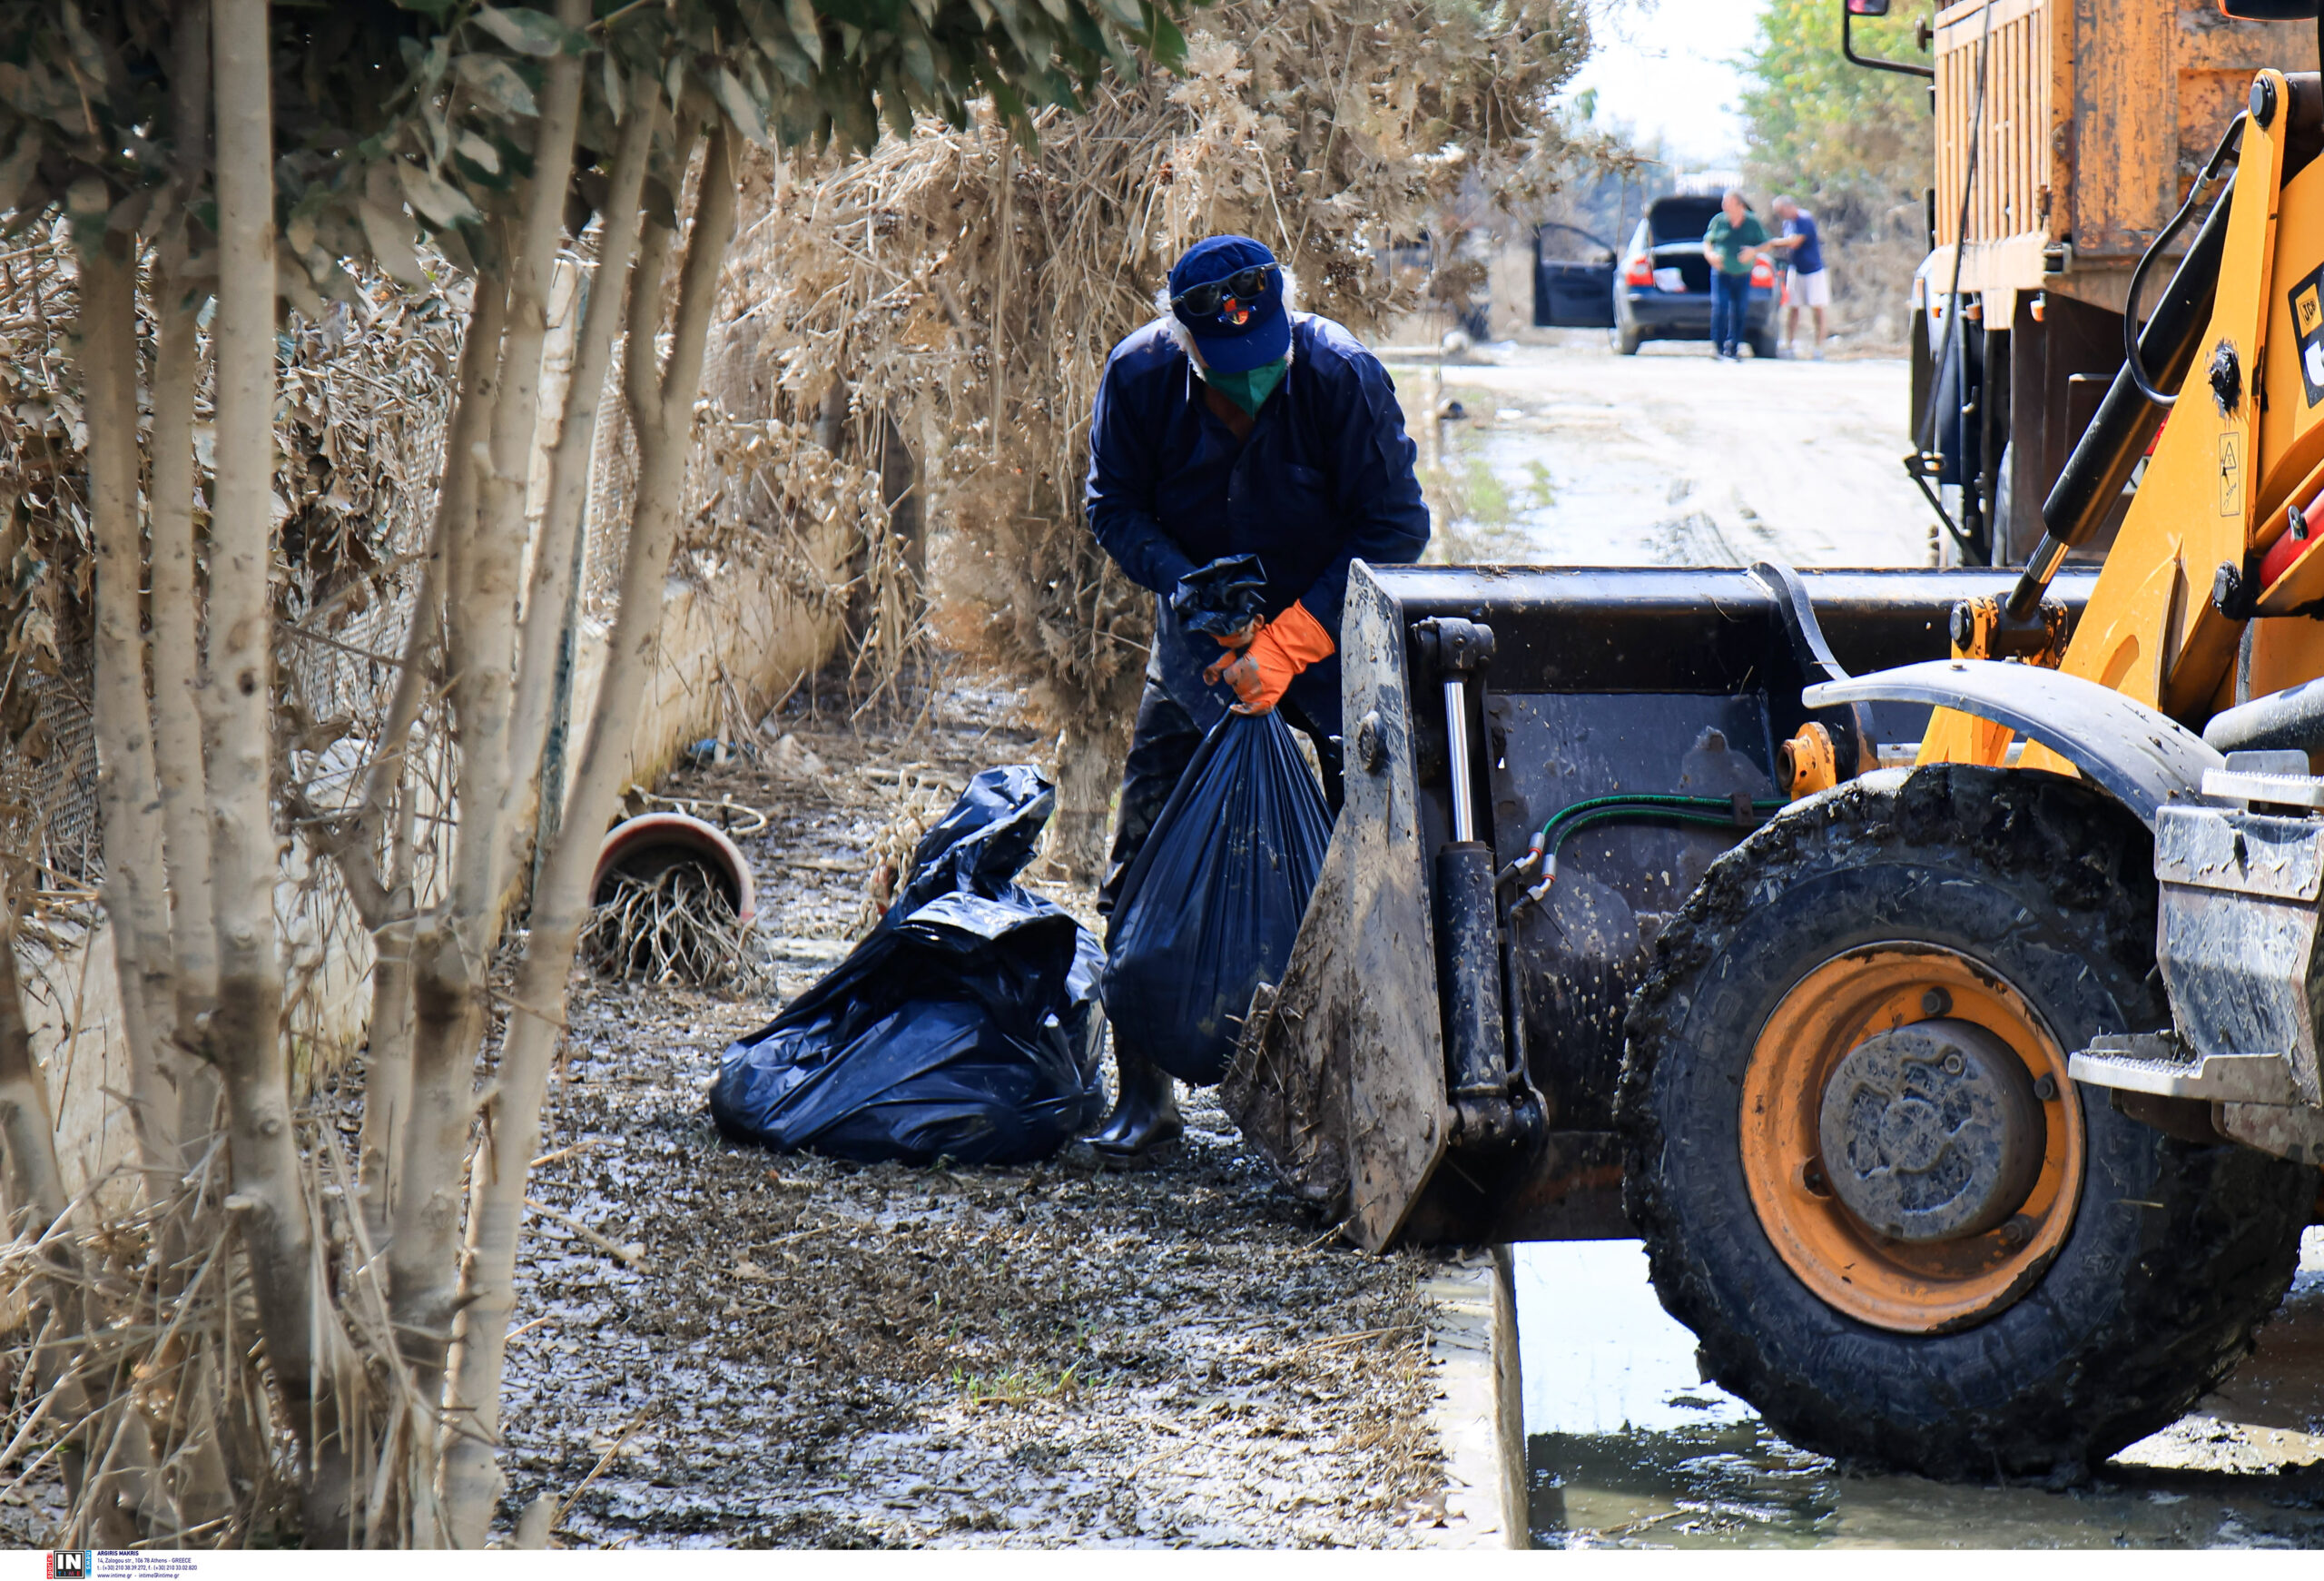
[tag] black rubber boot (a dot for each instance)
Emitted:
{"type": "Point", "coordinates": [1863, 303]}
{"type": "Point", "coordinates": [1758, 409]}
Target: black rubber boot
{"type": "Point", "coordinates": [1146, 1110]}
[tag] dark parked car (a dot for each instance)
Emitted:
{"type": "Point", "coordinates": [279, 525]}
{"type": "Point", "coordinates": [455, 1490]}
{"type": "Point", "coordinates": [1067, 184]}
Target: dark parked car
{"type": "Point", "coordinates": [1574, 278]}
{"type": "Point", "coordinates": [1660, 288]}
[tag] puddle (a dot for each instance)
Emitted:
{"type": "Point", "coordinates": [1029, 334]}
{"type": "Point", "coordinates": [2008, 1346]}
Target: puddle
{"type": "Point", "coordinates": [1628, 1447]}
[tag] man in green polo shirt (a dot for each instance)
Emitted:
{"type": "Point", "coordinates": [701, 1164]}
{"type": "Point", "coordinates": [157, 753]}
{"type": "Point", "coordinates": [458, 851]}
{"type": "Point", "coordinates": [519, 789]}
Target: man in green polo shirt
{"type": "Point", "coordinates": [1733, 242]}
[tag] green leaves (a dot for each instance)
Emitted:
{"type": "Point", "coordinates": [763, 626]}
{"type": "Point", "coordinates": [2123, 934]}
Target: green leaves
{"type": "Point", "coordinates": [496, 83]}
{"type": "Point", "coordinates": [390, 237]}
{"type": "Point", "coordinates": [806, 29]}
{"type": "Point", "coordinates": [1852, 143]}
{"type": "Point", "coordinates": [435, 105]}
{"type": "Point", "coordinates": [529, 32]}
{"type": "Point", "coordinates": [736, 101]}
{"type": "Point", "coordinates": [435, 198]}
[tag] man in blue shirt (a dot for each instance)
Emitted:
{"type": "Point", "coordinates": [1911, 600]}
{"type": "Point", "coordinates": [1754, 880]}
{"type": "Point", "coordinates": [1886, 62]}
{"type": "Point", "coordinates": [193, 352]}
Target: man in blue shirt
{"type": "Point", "coordinates": [1233, 425]}
{"type": "Point", "coordinates": [1808, 286]}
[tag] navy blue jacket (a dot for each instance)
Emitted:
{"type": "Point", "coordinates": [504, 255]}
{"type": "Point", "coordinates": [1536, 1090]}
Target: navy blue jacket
{"type": "Point", "coordinates": [1325, 476]}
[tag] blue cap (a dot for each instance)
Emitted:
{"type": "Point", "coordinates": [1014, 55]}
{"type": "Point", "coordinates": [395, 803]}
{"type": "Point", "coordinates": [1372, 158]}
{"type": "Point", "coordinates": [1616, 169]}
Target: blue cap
{"type": "Point", "coordinates": [1244, 332]}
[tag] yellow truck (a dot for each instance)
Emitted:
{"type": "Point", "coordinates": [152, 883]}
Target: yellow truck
{"type": "Point", "coordinates": [2067, 134]}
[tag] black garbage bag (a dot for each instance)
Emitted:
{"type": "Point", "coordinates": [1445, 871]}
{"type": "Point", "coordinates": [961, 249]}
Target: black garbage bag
{"type": "Point", "coordinates": [966, 1025]}
{"type": "Point", "coordinates": [1223, 598]}
{"type": "Point", "coordinates": [1210, 907]}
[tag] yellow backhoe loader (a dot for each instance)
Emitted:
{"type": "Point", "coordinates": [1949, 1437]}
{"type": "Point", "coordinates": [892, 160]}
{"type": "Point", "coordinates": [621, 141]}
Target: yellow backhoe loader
{"type": "Point", "coordinates": [1926, 964]}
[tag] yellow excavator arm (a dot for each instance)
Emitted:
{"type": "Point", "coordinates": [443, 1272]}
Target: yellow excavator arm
{"type": "Point", "coordinates": [2215, 541]}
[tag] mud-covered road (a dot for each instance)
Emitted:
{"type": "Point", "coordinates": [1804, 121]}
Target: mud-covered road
{"type": "Point", "coordinates": [721, 1346]}
{"type": "Point", "coordinates": [1628, 1447]}
{"type": "Point", "coordinates": [808, 1353]}
{"type": "Point", "coordinates": [1571, 455]}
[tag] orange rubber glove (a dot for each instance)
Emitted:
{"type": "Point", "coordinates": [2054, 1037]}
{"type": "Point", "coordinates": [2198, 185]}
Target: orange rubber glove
{"type": "Point", "coordinates": [1282, 647]}
{"type": "Point", "coordinates": [1239, 639]}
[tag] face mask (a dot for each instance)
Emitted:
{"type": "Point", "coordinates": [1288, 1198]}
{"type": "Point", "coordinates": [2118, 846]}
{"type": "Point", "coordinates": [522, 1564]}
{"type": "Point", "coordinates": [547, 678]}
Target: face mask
{"type": "Point", "coordinates": [1248, 390]}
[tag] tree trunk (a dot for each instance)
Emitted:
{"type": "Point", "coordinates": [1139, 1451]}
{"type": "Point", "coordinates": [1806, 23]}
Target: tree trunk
{"type": "Point", "coordinates": [1087, 770]}
{"type": "Point", "coordinates": [177, 720]}
{"type": "Point", "coordinates": [424, 1196]}
{"type": "Point", "coordinates": [238, 691]}
{"type": "Point", "coordinates": [135, 901]}
{"type": "Point", "coordinates": [387, 1061]}
{"type": "Point", "coordinates": [482, 557]}
{"type": "Point", "coordinates": [177, 640]}
{"type": "Point", "coordinates": [495, 781]}
{"type": "Point", "coordinates": [195, 1477]}
{"type": "Point", "coordinates": [548, 598]}
{"type": "Point", "coordinates": [126, 1499]}
{"type": "Point", "coordinates": [386, 790]}
{"type": "Point", "coordinates": [660, 411]}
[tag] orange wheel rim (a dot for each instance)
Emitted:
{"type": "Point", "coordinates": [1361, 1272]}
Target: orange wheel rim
{"type": "Point", "coordinates": [1911, 1287]}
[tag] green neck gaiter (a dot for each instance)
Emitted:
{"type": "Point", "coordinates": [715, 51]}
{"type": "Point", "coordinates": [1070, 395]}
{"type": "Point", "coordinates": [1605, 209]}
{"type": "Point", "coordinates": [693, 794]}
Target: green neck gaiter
{"type": "Point", "coordinates": [1248, 390]}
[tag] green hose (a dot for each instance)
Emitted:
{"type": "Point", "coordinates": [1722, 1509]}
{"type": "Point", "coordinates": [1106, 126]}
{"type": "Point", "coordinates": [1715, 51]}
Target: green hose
{"type": "Point", "coordinates": [1709, 811]}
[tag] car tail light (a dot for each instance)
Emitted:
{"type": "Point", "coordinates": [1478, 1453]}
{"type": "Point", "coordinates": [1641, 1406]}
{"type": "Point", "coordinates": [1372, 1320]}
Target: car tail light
{"type": "Point", "coordinates": [1763, 274]}
{"type": "Point", "coordinates": [1640, 271]}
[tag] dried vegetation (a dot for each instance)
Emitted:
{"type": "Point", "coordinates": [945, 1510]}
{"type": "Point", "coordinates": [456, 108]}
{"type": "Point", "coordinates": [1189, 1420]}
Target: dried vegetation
{"type": "Point", "coordinates": [958, 293]}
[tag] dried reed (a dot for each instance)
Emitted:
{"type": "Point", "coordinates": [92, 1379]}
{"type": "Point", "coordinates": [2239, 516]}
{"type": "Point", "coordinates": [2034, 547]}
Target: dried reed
{"type": "Point", "coordinates": [962, 292]}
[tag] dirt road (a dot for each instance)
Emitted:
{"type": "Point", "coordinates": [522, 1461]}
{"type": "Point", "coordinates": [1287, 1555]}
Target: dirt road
{"type": "Point", "coordinates": [1571, 455]}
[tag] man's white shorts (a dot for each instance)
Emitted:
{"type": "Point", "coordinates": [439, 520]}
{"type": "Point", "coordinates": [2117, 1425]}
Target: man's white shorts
{"type": "Point", "coordinates": [1809, 290]}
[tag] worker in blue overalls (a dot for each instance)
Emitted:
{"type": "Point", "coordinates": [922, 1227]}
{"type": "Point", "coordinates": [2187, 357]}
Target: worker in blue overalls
{"type": "Point", "coordinates": [1234, 425]}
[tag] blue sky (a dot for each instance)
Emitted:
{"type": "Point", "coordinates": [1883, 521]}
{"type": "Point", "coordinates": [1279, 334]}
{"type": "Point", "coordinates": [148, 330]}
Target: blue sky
{"type": "Point", "coordinates": [1664, 66]}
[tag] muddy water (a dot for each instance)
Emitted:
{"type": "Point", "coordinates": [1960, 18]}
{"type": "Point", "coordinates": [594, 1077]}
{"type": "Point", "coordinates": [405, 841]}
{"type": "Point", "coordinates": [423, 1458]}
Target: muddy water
{"type": "Point", "coordinates": [1628, 1447]}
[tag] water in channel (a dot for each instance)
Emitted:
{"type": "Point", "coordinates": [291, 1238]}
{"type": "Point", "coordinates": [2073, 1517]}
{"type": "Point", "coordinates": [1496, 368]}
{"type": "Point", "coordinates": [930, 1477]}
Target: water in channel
{"type": "Point", "coordinates": [1627, 1447]}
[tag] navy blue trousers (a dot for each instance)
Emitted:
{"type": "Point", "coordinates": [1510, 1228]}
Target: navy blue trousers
{"type": "Point", "coordinates": [1728, 293]}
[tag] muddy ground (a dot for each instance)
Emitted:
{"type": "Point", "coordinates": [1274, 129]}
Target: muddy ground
{"type": "Point", "coordinates": [747, 1348]}
{"type": "Point", "coordinates": [1571, 455]}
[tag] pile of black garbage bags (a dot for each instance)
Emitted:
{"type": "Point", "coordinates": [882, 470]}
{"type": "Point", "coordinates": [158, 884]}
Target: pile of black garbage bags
{"type": "Point", "coordinates": [968, 1025]}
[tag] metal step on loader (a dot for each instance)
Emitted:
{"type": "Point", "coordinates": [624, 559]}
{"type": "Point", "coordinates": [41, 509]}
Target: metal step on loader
{"type": "Point", "coordinates": [1925, 964]}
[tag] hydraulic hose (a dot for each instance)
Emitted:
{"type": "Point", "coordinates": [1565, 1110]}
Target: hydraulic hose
{"type": "Point", "coordinates": [1713, 811]}
{"type": "Point", "coordinates": [2110, 448]}
{"type": "Point", "coordinates": [2132, 363]}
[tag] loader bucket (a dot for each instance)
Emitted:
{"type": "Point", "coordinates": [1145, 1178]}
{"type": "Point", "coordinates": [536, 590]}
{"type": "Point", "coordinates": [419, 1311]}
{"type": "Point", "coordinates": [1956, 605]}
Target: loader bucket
{"type": "Point", "coordinates": [1465, 1095]}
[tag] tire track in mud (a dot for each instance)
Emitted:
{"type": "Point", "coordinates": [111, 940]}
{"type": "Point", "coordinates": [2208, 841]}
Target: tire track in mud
{"type": "Point", "coordinates": [1695, 540]}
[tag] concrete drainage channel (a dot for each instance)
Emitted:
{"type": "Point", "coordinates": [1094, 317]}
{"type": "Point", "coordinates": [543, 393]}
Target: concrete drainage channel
{"type": "Point", "coordinates": [1478, 1416]}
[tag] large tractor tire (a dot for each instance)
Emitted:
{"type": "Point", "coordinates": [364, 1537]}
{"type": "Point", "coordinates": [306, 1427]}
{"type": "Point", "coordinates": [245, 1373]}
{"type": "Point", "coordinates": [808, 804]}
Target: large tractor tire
{"type": "Point", "coordinates": [1864, 1179]}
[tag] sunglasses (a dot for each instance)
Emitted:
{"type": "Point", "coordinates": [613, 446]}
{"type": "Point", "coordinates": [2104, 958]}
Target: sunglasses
{"type": "Point", "coordinates": [1202, 300]}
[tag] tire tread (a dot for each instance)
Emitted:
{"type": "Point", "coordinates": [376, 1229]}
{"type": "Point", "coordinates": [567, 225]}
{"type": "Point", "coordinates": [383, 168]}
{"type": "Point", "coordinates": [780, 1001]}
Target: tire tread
{"type": "Point", "coordinates": [2207, 1275]}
